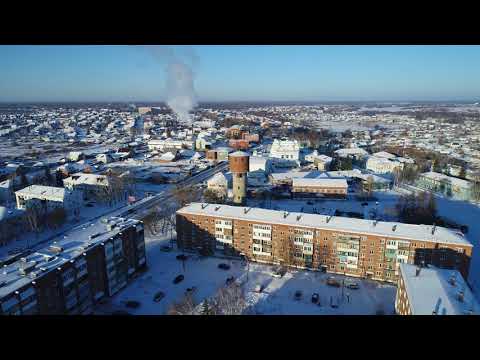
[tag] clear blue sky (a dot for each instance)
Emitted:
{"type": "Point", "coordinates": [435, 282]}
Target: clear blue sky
{"type": "Point", "coordinates": [310, 73]}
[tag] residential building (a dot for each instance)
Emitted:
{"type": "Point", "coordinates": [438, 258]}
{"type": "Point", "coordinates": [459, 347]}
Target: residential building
{"type": "Point", "coordinates": [446, 185]}
{"type": "Point", "coordinates": [352, 153]}
{"type": "Point", "coordinates": [169, 144]}
{"type": "Point", "coordinates": [285, 151]}
{"type": "Point", "coordinates": [47, 198]}
{"type": "Point", "coordinates": [70, 277]}
{"type": "Point", "coordinates": [382, 165]}
{"type": "Point", "coordinates": [92, 186]}
{"type": "Point", "coordinates": [349, 246]}
{"type": "Point", "coordinates": [433, 291]}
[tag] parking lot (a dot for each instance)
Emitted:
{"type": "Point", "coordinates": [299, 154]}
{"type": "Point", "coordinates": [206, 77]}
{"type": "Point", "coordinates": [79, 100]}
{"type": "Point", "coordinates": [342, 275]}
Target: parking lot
{"type": "Point", "coordinates": [277, 295]}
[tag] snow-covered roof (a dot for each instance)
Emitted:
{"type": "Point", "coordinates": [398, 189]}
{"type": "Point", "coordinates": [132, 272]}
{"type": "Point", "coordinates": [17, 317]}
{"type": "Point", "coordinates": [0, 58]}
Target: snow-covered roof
{"type": "Point", "coordinates": [239, 153]}
{"type": "Point", "coordinates": [442, 177]}
{"type": "Point", "coordinates": [73, 244]}
{"type": "Point", "coordinates": [384, 154]}
{"type": "Point", "coordinates": [320, 182]}
{"type": "Point", "coordinates": [42, 192]}
{"type": "Point", "coordinates": [350, 225]}
{"type": "Point", "coordinates": [432, 290]}
{"type": "Point", "coordinates": [89, 179]}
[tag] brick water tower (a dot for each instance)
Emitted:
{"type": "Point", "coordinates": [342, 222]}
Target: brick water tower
{"type": "Point", "coordinates": [239, 165]}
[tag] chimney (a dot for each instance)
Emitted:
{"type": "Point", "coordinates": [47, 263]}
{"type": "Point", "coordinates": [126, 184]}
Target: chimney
{"type": "Point", "coordinates": [299, 217]}
{"type": "Point", "coordinates": [394, 227]}
{"type": "Point", "coordinates": [285, 214]}
{"type": "Point", "coordinates": [453, 280]}
{"type": "Point", "coordinates": [461, 296]}
{"type": "Point", "coordinates": [417, 271]}
{"type": "Point", "coordinates": [217, 208]}
{"type": "Point", "coordinates": [433, 229]}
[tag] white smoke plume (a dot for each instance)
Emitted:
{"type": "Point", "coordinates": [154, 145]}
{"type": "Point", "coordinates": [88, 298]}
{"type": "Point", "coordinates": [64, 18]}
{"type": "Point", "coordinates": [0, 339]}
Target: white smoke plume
{"type": "Point", "coordinates": [181, 97]}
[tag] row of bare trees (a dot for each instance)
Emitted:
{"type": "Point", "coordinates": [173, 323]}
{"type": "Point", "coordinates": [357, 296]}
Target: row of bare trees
{"type": "Point", "coordinates": [229, 300]}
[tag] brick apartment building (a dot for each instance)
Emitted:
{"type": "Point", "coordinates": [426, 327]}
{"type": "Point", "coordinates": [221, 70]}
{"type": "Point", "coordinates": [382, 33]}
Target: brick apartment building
{"type": "Point", "coordinates": [73, 274]}
{"type": "Point", "coordinates": [433, 291]}
{"type": "Point", "coordinates": [355, 247]}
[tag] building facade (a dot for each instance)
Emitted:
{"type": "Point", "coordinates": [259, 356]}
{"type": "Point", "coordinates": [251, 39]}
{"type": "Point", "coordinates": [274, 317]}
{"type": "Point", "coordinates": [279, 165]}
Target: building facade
{"type": "Point", "coordinates": [71, 277]}
{"type": "Point", "coordinates": [322, 187]}
{"type": "Point", "coordinates": [355, 247]}
{"type": "Point", "coordinates": [446, 185]}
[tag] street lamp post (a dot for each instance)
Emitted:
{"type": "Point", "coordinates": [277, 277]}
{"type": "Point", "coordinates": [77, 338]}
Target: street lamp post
{"type": "Point", "coordinates": [248, 263]}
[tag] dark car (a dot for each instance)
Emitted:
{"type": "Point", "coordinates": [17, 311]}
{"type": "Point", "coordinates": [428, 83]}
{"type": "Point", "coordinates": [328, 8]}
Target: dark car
{"type": "Point", "coordinates": [182, 257]}
{"type": "Point", "coordinates": [132, 304]}
{"type": "Point", "coordinates": [309, 202]}
{"type": "Point", "coordinates": [178, 279]}
{"type": "Point", "coordinates": [364, 204]}
{"type": "Point", "coordinates": [89, 205]}
{"type": "Point", "coordinates": [191, 290]}
{"type": "Point", "coordinates": [315, 298]}
{"type": "Point", "coordinates": [353, 285]}
{"type": "Point", "coordinates": [224, 266]}
{"type": "Point", "coordinates": [165, 248]}
{"type": "Point", "coordinates": [159, 296]}
{"type": "Point", "coordinates": [298, 295]}
{"type": "Point", "coordinates": [331, 281]}
{"type": "Point", "coordinates": [229, 280]}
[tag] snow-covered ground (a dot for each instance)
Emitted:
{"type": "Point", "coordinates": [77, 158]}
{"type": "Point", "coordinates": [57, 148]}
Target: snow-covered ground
{"type": "Point", "coordinates": [276, 298]}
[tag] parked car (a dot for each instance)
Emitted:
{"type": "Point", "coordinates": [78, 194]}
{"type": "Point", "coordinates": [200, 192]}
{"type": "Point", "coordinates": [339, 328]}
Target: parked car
{"type": "Point", "coordinates": [191, 290]}
{"type": "Point", "coordinates": [182, 257]}
{"type": "Point", "coordinates": [132, 304]}
{"type": "Point", "coordinates": [298, 295]}
{"type": "Point", "coordinates": [159, 296]}
{"type": "Point", "coordinates": [353, 285]}
{"type": "Point", "coordinates": [309, 202]}
{"type": "Point", "coordinates": [365, 204]}
{"type": "Point", "coordinates": [165, 248]}
{"type": "Point", "coordinates": [224, 266]}
{"type": "Point", "coordinates": [331, 281]}
{"type": "Point", "coordinates": [229, 280]}
{"type": "Point", "coordinates": [334, 302]}
{"type": "Point", "coordinates": [178, 279]}
{"type": "Point", "coordinates": [315, 298]}
{"type": "Point", "coordinates": [259, 288]}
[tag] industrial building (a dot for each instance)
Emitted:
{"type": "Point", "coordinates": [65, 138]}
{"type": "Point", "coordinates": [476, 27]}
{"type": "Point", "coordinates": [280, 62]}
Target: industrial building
{"type": "Point", "coordinates": [355, 247]}
{"type": "Point", "coordinates": [73, 274]}
{"type": "Point", "coordinates": [319, 187]}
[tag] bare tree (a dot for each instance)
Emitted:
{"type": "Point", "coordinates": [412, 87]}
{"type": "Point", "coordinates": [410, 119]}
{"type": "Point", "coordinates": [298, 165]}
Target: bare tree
{"type": "Point", "coordinates": [230, 300]}
{"type": "Point", "coordinates": [186, 306]}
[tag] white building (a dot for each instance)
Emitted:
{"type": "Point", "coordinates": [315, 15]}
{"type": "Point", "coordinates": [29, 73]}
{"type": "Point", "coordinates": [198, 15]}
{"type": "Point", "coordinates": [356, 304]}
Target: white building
{"type": "Point", "coordinates": [47, 198]}
{"type": "Point", "coordinates": [259, 163]}
{"type": "Point", "coordinates": [92, 186]}
{"type": "Point", "coordinates": [219, 184]}
{"type": "Point", "coordinates": [354, 153]}
{"type": "Point", "coordinates": [161, 145]}
{"type": "Point", "coordinates": [287, 151]}
{"type": "Point", "coordinates": [382, 165]}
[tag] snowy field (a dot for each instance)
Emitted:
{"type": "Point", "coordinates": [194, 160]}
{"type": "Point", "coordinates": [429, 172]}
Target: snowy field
{"type": "Point", "coordinates": [276, 298]}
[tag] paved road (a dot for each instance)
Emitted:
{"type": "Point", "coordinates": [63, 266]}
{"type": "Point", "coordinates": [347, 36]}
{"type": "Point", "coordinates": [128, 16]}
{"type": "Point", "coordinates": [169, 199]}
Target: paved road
{"type": "Point", "coordinates": [138, 209]}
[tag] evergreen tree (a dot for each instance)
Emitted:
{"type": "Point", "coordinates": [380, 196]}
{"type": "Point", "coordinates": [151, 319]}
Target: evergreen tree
{"type": "Point", "coordinates": [48, 176]}
{"type": "Point", "coordinates": [207, 309]}
{"type": "Point", "coordinates": [23, 180]}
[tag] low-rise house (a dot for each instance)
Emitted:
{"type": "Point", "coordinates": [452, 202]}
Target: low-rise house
{"type": "Point", "coordinates": [352, 153]}
{"type": "Point", "coordinates": [382, 165]}
{"type": "Point", "coordinates": [92, 186]}
{"type": "Point", "coordinates": [319, 187]}
{"type": "Point", "coordinates": [259, 163]}
{"type": "Point", "coordinates": [47, 198]}
{"type": "Point", "coordinates": [218, 184]}
{"type": "Point", "coordinates": [446, 185]}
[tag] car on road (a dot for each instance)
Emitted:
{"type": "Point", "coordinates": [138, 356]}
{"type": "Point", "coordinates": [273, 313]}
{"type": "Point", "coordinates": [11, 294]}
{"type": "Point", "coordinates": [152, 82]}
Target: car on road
{"type": "Point", "coordinates": [331, 281]}
{"type": "Point", "coordinates": [315, 298]}
{"type": "Point", "coordinates": [309, 202]}
{"type": "Point", "coordinates": [352, 285]}
{"type": "Point", "coordinates": [158, 296]}
{"type": "Point", "coordinates": [365, 204]}
{"type": "Point", "coordinates": [224, 266]}
{"type": "Point", "coordinates": [182, 257]}
{"type": "Point", "coordinates": [298, 295]}
{"type": "Point", "coordinates": [178, 279]}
